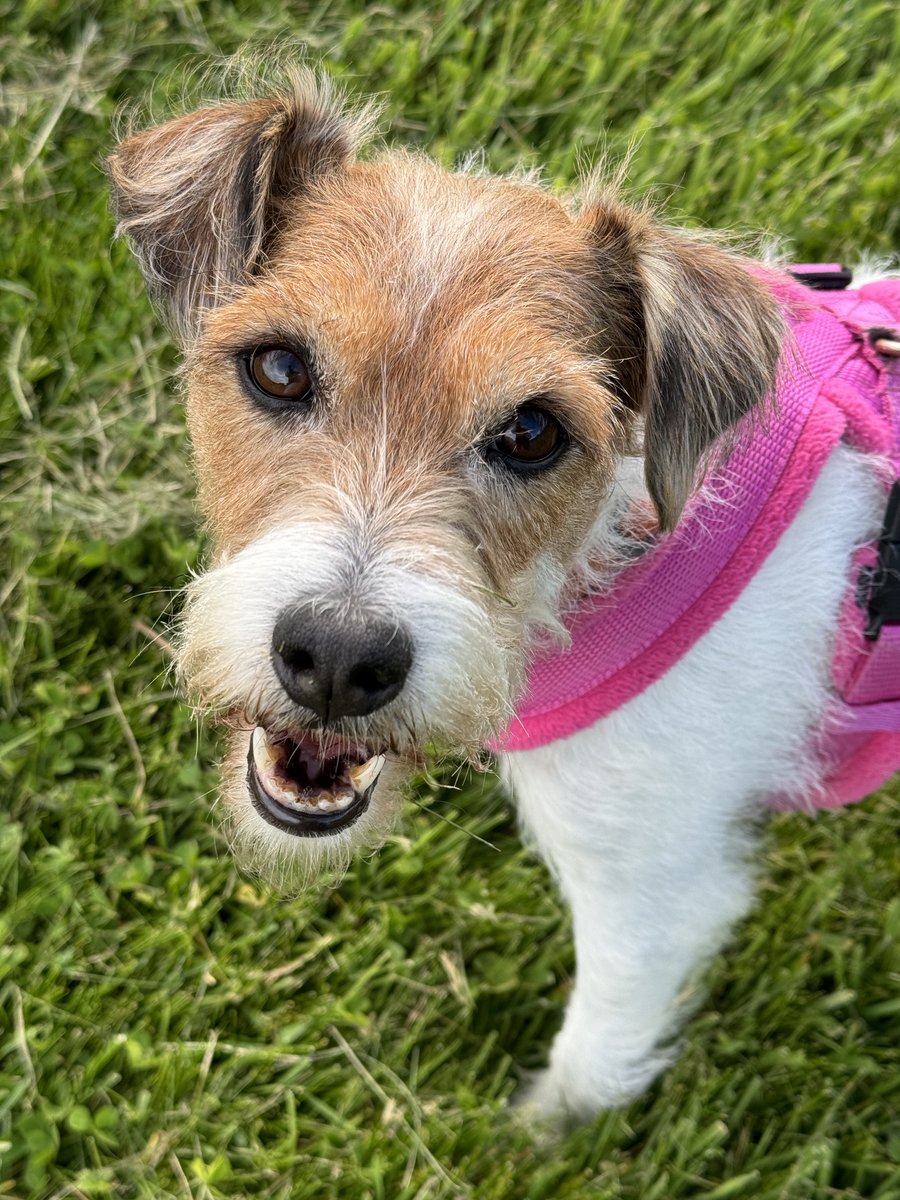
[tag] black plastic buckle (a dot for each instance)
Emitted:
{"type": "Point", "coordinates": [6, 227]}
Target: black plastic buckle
{"type": "Point", "coordinates": [879, 586]}
{"type": "Point", "coordinates": [827, 277]}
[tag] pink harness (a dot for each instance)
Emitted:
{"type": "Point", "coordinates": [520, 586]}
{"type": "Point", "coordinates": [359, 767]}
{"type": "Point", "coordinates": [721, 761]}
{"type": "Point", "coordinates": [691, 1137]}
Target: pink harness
{"type": "Point", "coordinates": [835, 387]}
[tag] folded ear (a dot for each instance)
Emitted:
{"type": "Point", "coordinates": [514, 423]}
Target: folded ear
{"type": "Point", "coordinates": [709, 338]}
{"type": "Point", "coordinates": [199, 196]}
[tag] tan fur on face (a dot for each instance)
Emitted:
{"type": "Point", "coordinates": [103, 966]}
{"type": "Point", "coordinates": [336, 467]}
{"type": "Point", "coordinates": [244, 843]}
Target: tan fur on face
{"type": "Point", "coordinates": [434, 309]}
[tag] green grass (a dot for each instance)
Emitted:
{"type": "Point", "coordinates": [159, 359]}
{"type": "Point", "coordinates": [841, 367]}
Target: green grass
{"type": "Point", "coordinates": [167, 1029]}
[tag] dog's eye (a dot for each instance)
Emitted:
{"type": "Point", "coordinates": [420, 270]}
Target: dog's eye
{"type": "Point", "coordinates": [279, 373]}
{"type": "Point", "coordinates": [529, 442]}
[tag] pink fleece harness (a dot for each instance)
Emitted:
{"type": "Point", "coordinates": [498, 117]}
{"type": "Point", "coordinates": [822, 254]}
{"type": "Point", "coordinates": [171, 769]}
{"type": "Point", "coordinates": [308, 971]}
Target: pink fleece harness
{"type": "Point", "coordinates": [835, 386]}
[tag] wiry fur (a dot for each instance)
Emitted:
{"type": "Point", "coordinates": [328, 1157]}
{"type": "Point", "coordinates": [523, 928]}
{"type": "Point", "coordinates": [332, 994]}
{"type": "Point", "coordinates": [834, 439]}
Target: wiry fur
{"type": "Point", "coordinates": [200, 197]}
{"type": "Point", "coordinates": [432, 304]}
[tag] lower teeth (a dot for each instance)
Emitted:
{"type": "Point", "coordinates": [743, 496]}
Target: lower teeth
{"type": "Point", "coordinates": [324, 803]}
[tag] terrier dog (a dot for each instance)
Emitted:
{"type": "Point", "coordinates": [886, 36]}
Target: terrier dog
{"type": "Point", "coordinates": [459, 443]}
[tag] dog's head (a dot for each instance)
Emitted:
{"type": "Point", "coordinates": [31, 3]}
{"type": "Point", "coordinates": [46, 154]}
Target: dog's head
{"type": "Point", "coordinates": [408, 391]}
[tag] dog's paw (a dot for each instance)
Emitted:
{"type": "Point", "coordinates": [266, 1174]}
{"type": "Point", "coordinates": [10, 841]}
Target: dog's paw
{"type": "Point", "coordinates": [550, 1104]}
{"type": "Point", "coordinates": [541, 1105]}
{"type": "Point", "coordinates": [570, 1092]}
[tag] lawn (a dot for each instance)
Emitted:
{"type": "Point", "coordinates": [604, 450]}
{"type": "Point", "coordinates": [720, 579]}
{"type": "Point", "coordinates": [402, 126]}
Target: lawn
{"type": "Point", "coordinates": [169, 1028]}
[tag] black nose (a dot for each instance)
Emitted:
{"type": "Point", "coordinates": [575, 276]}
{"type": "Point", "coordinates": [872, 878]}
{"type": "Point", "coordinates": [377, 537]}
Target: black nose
{"type": "Point", "coordinates": [340, 666]}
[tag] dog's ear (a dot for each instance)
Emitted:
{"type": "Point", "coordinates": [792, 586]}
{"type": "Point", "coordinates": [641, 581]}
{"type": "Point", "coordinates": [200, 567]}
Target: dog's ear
{"type": "Point", "coordinates": [199, 197]}
{"type": "Point", "coordinates": [705, 335]}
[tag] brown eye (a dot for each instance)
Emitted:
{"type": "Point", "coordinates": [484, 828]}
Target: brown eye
{"type": "Point", "coordinates": [531, 441]}
{"type": "Point", "coordinates": [280, 373]}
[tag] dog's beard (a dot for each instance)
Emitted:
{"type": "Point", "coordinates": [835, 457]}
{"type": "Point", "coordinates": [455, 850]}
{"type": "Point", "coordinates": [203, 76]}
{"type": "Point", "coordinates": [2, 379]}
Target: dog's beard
{"type": "Point", "coordinates": [290, 863]}
{"type": "Point", "coordinates": [258, 803]}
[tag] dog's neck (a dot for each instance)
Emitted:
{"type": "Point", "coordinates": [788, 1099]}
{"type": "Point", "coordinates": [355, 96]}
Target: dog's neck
{"type": "Point", "coordinates": [626, 526]}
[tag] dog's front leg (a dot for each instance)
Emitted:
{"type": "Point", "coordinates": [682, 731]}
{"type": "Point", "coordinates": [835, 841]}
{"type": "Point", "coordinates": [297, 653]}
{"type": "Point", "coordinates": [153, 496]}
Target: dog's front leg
{"type": "Point", "coordinates": [655, 878]}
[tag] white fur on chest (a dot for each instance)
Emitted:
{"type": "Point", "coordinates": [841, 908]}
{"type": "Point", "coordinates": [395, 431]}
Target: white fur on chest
{"type": "Point", "coordinates": [640, 816]}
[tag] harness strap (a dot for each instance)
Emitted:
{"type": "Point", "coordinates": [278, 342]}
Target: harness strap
{"type": "Point", "coordinates": [623, 640]}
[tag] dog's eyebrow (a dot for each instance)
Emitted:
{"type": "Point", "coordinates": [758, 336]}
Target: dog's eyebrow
{"type": "Point", "coordinates": [252, 334]}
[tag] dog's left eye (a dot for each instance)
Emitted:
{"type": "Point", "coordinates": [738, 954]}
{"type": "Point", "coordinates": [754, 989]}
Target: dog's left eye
{"type": "Point", "coordinates": [279, 374]}
{"type": "Point", "coordinates": [530, 441]}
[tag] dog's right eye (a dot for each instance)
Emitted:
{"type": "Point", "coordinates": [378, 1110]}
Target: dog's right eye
{"type": "Point", "coordinates": [279, 374]}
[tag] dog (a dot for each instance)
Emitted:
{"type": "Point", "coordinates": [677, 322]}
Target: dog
{"type": "Point", "coordinates": [442, 421]}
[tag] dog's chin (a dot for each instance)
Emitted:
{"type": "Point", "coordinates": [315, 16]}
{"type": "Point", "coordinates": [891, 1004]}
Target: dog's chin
{"type": "Point", "coordinates": [299, 807]}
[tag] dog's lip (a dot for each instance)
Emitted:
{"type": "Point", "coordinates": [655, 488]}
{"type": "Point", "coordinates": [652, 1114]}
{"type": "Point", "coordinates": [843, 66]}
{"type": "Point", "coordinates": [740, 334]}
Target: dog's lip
{"type": "Point", "coordinates": [303, 790]}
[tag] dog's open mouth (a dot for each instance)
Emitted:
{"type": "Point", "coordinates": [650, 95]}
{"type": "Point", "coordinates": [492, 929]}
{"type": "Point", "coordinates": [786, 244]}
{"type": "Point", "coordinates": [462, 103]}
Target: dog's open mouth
{"type": "Point", "coordinates": [306, 789]}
